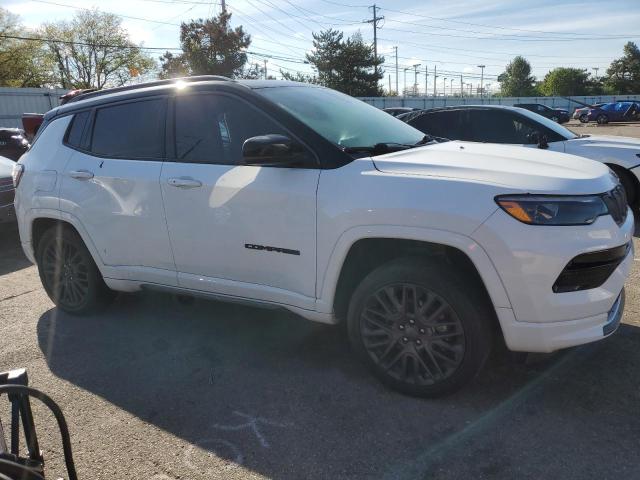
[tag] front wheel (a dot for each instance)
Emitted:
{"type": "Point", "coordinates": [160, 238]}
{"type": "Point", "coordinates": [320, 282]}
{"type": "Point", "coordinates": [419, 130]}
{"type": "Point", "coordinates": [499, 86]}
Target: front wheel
{"type": "Point", "coordinates": [584, 119]}
{"type": "Point", "coordinates": [555, 119]}
{"type": "Point", "coordinates": [68, 273]}
{"type": "Point", "coordinates": [419, 328]}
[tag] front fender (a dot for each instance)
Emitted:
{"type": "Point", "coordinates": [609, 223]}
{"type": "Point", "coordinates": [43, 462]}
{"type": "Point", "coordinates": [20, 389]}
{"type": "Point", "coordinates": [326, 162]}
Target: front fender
{"type": "Point", "coordinates": [329, 275]}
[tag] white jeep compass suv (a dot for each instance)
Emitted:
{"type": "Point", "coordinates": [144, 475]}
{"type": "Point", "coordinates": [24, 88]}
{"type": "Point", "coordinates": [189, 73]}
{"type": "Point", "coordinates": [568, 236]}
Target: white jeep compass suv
{"type": "Point", "coordinates": [298, 196]}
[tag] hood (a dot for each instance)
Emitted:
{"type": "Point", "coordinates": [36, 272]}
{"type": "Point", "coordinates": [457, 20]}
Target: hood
{"type": "Point", "coordinates": [619, 150]}
{"type": "Point", "coordinates": [520, 169]}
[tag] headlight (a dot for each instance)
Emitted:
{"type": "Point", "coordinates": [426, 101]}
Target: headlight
{"type": "Point", "coordinates": [553, 210]}
{"type": "Point", "coordinates": [16, 174]}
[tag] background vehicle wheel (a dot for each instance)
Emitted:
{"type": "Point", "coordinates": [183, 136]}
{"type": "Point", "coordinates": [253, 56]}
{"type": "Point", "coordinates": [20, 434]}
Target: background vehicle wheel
{"type": "Point", "coordinates": [584, 119]}
{"type": "Point", "coordinates": [68, 273]}
{"type": "Point", "coordinates": [419, 328]}
{"type": "Point", "coordinates": [602, 119]}
{"type": "Point", "coordinates": [554, 119]}
{"type": "Point", "coordinates": [628, 184]}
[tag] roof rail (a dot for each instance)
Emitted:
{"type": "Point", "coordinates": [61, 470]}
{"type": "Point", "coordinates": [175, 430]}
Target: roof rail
{"type": "Point", "coordinates": [168, 81]}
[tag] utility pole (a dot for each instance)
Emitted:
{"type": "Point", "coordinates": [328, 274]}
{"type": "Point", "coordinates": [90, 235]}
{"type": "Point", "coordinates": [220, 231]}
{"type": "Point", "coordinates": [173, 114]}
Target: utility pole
{"type": "Point", "coordinates": [375, 21]}
{"type": "Point", "coordinates": [389, 84]}
{"type": "Point", "coordinates": [415, 79]}
{"type": "Point", "coordinates": [451, 88]}
{"type": "Point", "coordinates": [224, 6]}
{"type": "Point", "coordinates": [461, 87]}
{"type": "Point", "coordinates": [444, 84]}
{"type": "Point", "coordinates": [481, 67]}
{"type": "Point", "coordinates": [265, 68]}
{"type": "Point", "coordinates": [435, 70]}
{"type": "Point", "coordinates": [397, 91]}
{"type": "Point", "coordinates": [426, 80]}
{"type": "Point", "coordinates": [596, 69]}
{"type": "Point", "coordinates": [404, 90]}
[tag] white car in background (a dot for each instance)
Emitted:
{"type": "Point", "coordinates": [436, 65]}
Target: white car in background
{"type": "Point", "coordinates": [517, 126]}
{"type": "Point", "coordinates": [300, 197]}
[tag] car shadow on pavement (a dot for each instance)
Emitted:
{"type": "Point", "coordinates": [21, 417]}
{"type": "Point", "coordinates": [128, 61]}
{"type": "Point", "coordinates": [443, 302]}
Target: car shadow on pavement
{"type": "Point", "coordinates": [286, 398]}
{"type": "Point", "coordinates": [12, 258]}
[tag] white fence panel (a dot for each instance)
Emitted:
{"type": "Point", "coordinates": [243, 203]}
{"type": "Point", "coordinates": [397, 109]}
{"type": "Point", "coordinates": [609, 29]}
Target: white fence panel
{"type": "Point", "coordinates": [16, 101]}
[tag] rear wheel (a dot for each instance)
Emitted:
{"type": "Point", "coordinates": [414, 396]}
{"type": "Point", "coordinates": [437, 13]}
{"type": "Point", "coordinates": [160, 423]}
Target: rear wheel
{"type": "Point", "coordinates": [68, 273]}
{"type": "Point", "coordinates": [602, 119]}
{"type": "Point", "coordinates": [555, 119]}
{"type": "Point", "coordinates": [420, 329]}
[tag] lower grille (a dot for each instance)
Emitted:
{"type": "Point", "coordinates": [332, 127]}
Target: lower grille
{"type": "Point", "coordinates": [590, 270]}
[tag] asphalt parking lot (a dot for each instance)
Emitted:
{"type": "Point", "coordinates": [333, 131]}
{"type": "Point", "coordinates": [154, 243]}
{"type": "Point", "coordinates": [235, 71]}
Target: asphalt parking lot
{"type": "Point", "coordinates": [155, 388]}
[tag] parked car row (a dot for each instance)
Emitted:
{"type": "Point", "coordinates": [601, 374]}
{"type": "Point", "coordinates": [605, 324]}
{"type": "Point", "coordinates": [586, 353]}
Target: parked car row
{"type": "Point", "coordinates": [517, 126]}
{"type": "Point", "coordinates": [609, 112]}
{"type": "Point", "coordinates": [296, 196]}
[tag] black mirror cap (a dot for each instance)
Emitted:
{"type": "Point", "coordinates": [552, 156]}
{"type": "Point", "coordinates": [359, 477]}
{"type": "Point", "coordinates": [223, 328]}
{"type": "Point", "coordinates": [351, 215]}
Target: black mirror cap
{"type": "Point", "coordinates": [273, 150]}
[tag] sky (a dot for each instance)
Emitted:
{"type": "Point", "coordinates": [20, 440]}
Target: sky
{"type": "Point", "coordinates": [453, 37]}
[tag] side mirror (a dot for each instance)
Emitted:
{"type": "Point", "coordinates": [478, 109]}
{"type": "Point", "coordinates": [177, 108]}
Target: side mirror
{"type": "Point", "coordinates": [539, 139]}
{"type": "Point", "coordinates": [272, 150]}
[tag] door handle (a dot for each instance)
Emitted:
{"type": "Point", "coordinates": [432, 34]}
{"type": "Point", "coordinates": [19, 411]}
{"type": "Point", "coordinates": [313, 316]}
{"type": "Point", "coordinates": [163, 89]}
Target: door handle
{"type": "Point", "coordinates": [184, 182]}
{"type": "Point", "coordinates": [81, 174]}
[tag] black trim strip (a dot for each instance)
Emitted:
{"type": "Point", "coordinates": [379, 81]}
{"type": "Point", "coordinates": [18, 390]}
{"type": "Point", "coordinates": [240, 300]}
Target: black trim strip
{"type": "Point", "coordinates": [252, 246]}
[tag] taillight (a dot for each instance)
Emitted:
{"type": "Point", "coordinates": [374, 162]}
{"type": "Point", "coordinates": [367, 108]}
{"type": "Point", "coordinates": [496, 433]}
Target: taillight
{"type": "Point", "coordinates": [16, 174]}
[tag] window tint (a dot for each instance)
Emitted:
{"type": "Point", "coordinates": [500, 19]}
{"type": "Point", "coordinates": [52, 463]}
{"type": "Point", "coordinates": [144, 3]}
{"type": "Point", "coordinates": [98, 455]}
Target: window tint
{"type": "Point", "coordinates": [446, 124]}
{"type": "Point", "coordinates": [130, 130]}
{"type": "Point", "coordinates": [74, 135]}
{"type": "Point", "coordinates": [213, 128]}
{"type": "Point", "coordinates": [495, 126]}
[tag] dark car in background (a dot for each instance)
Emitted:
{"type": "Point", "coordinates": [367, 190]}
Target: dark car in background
{"type": "Point", "coordinates": [7, 191]}
{"type": "Point", "coordinates": [13, 143]}
{"type": "Point", "coordinates": [556, 114]}
{"type": "Point", "coordinates": [395, 111]}
{"type": "Point", "coordinates": [612, 112]}
{"type": "Point", "coordinates": [580, 111]}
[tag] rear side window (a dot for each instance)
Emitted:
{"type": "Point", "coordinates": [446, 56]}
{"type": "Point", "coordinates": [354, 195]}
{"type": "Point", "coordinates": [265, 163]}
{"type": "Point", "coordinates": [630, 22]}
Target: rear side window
{"type": "Point", "coordinates": [445, 124]}
{"type": "Point", "coordinates": [131, 130]}
{"type": "Point", "coordinates": [74, 134]}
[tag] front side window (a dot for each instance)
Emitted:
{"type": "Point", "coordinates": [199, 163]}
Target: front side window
{"type": "Point", "coordinates": [212, 128]}
{"type": "Point", "coordinates": [445, 124]}
{"type": "Point", "coordinates": [130, 130]}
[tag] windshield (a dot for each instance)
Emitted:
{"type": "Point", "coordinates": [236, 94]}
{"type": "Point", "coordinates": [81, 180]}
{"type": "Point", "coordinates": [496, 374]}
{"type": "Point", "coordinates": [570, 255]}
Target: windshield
{"type": "Point", "coordinates": [342, 119]}
{"type": "Point", "coordinates": [550, 124]}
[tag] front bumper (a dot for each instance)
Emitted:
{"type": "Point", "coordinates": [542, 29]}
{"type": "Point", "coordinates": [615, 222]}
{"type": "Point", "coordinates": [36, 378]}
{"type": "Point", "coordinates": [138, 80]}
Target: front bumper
{"type": "Point", "coordinates": [529, 260]}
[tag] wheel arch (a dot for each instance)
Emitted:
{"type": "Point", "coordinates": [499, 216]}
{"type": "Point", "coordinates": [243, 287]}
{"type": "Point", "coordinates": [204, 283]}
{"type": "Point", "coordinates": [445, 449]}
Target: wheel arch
{"type": "Point", "coordinates": [622, 170]}
{"type": "Point", "coordinates": [361, 249]}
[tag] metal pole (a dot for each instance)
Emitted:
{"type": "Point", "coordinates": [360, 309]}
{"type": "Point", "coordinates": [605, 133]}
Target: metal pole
{"type": "Point", "coordinates": [426, 80]}
{"type": "Point", "coordinates": [397, 88]}
{"type": "Point", "coordinates": [224, 6]}
{"type": "Point", "coordinates": [404, 90]}
{"type": "Point", "coordinates": [444, 84]}
{"type": "Point", "coordinates": [389, 83]}
{"type": "Point", "coordinates": [461, 87]}
{"type": "Point", "coordinates": [265, 68]}
{"type": "Point", "coordinates": [435, 69]}
{"type": "Point", "coordinates": [451, 87]}
{"type": "Point", "coordinates": [415, 78]}
{"type": "Point", "coordinates": [481, 67]}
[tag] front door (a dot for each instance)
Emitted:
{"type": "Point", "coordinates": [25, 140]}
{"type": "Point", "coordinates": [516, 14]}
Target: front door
{"type": "Point", "coordinates": [244, 231]}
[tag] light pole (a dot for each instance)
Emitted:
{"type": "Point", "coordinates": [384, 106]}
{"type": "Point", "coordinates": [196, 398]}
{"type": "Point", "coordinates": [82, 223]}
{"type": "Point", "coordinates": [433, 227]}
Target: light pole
{"type": "Point", "coordinates": [404, 91]}
{"type": "Point", "coordinates": [444, 84]}
{"type": "Point", "coordinates": [396, 49]}
{"type": "Point", "coordinates": [415, 78]}
{"type": "Point", "coordinates": [481, 67]}
{"type": "Point", "coordinates": [488, 87]}
{"type": "Point", "coordinates": [451, 87]}
{"type": "Point", "coordinates": [596, 70]}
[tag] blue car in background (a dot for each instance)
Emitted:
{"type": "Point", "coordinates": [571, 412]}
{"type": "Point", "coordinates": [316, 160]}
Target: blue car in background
{"type": "Point", "coordinates": [612, 112]}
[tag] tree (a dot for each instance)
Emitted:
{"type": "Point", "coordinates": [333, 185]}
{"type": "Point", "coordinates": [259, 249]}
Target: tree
{"type": "Point", "coordinates": [209, 47]}
{"type": "Point", "coordinates": [565, 81]}
{"type": "Point", "coordinates": [346, 65]}
{"type": "Point", "coordinates": [22, 62]}
{"type": "Point", "coordinates": [93, 50]}
{"type": "Point", "coordinates": [516, 80]}
{"type": "Point", "coordinates": [623, 75]}
{"type": "Point", "coordinates": [298, 77]}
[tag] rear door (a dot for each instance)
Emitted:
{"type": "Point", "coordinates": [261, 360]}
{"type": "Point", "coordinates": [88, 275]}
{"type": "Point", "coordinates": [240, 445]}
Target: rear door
{"type": "Point", "coordinates": [245, 231]}
{"type": "Point", "coordinates": [111, 185]}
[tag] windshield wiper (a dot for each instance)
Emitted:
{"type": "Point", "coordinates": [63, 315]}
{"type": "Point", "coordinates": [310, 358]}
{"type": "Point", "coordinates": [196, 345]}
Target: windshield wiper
{"type": "Point", "coordinates": [387, 147]}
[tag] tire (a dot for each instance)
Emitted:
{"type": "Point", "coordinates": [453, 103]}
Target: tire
{"type": "Point", "coordinates": [602, 119]}
{"type": "Point", "coordinates": [555, 119]}
{"type": "Point", "coordinates": [627, 182]}
{"type": "Point", "coordinates": [68, 273]}
{"type": "Point", "coordinates": [399, 345]}
{"type": "Point", "coordinates": [584, 119]}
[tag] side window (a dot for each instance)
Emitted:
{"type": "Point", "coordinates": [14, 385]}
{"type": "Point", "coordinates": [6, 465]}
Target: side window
{"type": "Point", "coordinates": [76, 128]}
{"type": "Point", "coordinates": [212, 128]}
{"type": "Point", "coordinates": [130, 130]}
{"type": "Point", "coordinates": [444, 124]}
{"type": "Point", "coordinates": [495, 126]}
